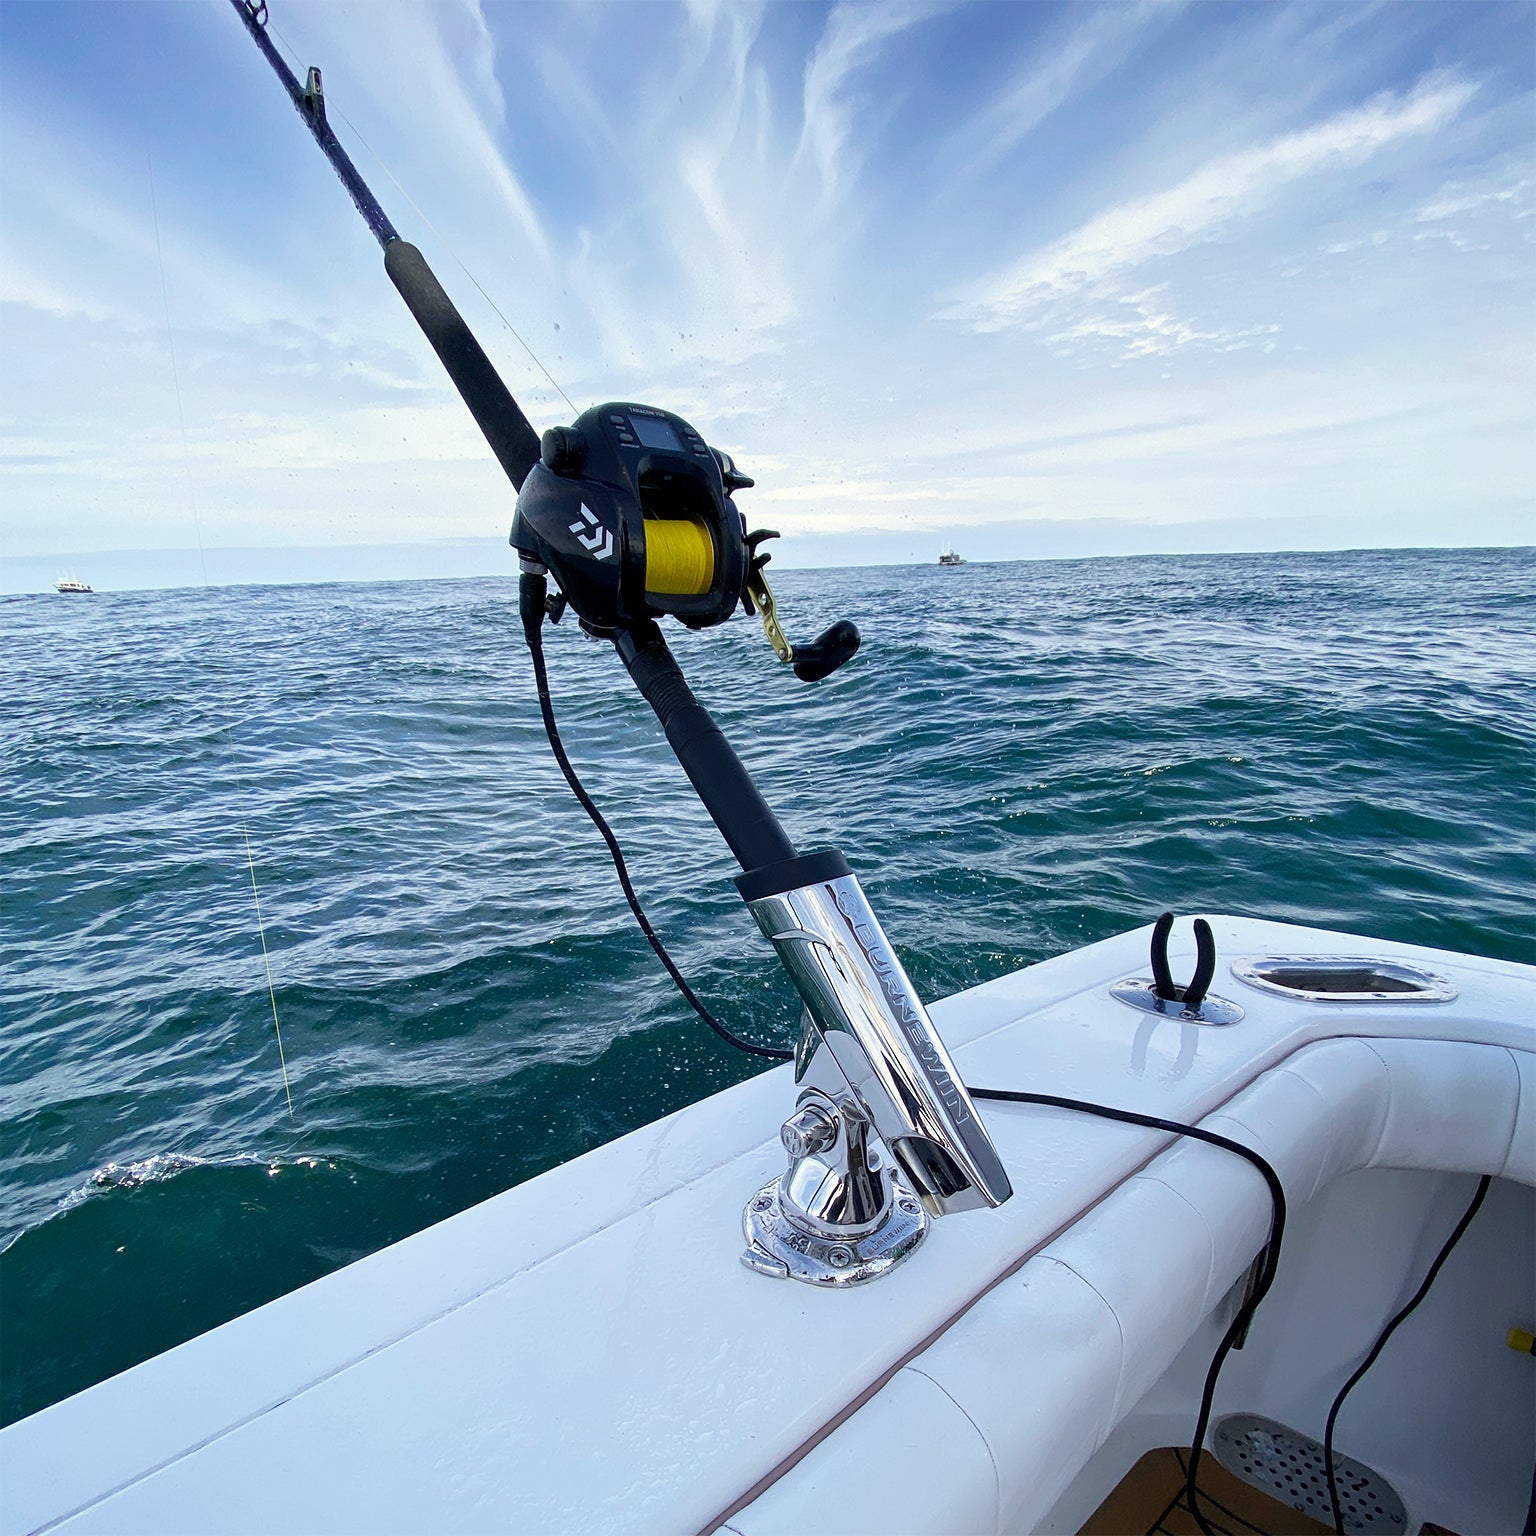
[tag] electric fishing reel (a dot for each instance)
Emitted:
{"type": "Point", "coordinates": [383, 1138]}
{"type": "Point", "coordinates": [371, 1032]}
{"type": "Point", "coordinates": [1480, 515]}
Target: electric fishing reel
{"type": "Point", "coordinates": [632, 513]}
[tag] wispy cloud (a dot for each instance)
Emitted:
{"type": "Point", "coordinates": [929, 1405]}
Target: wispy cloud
{"type": "Point", "coordinates": [481, 67]}
{"type": "Point", "coordinates": [444, 55]}
{"type": "Point", "coordinates": [1079, 55]}
{"type": "Point", "coordinates": [851, 42]}
{"type": "Point", "coordinates": [1142, 325]}
{"type": "Point", "coordinates": [1505, 190]}
{"type": "Point", "coordinates": [88, 236]}
{"type": "Point", "coordinates": [1192, 261]}
{"type": "Point", "coordinates": [1093, 263]}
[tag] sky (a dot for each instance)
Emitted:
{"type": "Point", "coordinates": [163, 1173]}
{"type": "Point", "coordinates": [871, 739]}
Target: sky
{"type": "Point", "coordinates": [1031, 279]}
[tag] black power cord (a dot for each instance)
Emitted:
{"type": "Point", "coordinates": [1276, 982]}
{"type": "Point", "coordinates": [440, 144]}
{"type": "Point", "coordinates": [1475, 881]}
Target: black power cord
{"type": "Point", "coordinates": [531, 594]}
{"type": "Point", "coordinates": [1269, 1255]}
{"type": "Point", "coordinates": [1381, 1343]}
{"type": "Point", "coordinates": [533, 590]}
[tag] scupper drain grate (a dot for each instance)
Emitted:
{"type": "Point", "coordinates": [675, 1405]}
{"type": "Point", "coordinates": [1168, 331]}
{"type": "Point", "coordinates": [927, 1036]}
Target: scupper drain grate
{"type": "Point", "coordinates": [1289, 1465]}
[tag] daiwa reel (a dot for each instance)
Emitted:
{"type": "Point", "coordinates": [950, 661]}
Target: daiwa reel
{"type": "Point", "coordinates": [633, 514]}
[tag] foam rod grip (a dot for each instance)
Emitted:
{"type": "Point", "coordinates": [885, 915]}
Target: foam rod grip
{"type": "Point", "coordinates": [496, 413]}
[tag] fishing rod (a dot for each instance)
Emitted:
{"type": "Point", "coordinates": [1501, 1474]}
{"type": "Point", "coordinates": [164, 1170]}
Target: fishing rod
{"type": "Point", "coordinates": [662, 562]}
{"type": "Point", "coordinates": [631, 514]}
{"type": "Point", "coordinates": [490, 402]}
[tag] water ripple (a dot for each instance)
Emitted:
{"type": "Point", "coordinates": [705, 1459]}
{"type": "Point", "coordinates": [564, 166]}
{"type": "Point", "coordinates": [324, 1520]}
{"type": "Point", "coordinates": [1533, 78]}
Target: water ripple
{"type": "Point", "coordinates": [1023, 758]}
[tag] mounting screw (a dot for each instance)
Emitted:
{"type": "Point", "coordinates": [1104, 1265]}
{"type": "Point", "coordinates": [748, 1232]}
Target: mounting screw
{"type": "Point", "coordinates": [839, 1257]}
{"type": "Point", "coordinates": [908, 1204]}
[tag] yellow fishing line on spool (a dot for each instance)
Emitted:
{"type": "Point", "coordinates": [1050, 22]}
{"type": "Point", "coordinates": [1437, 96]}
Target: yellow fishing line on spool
{"type": "Point", "coordinates": [679, 557]}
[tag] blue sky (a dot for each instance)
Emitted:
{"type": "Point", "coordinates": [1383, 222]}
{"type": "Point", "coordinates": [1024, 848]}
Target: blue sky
{"type": "Point", "coordinates": [1028, 278]}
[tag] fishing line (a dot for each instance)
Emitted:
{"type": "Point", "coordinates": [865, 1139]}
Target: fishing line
{"type": "Point", "coordinates": [266, 960]}
{"type": "Point", "coordinates": [334, 111]}
{"type": "Point", "coordinates": [448, 244]}
{"type": "Point", "coordinates": [202, 556]}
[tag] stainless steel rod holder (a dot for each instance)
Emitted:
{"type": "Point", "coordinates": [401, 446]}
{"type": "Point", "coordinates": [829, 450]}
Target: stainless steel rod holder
{"type": "Point", "coordinates": [884, 1133]}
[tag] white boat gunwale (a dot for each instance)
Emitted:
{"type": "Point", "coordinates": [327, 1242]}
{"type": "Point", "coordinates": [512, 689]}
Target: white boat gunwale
{"type": "Point", "coordinates": [645, 1229]}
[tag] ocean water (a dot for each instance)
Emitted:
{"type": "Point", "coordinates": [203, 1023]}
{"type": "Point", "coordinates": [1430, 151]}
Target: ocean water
{"type": "Point", "coordinates": [1022, 759]}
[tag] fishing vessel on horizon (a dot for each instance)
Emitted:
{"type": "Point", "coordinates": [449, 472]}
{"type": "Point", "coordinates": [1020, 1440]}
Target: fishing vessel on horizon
{"type": "Point", "coordinates": [70, 584]}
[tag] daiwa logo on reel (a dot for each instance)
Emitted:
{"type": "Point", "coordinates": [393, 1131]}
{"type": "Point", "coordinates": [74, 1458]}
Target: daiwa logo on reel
{"type": "Point", "coordinates": [592, 536]}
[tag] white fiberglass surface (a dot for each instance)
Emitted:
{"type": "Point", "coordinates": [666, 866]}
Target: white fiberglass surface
{"type": "Point", "coordinates": [1447, 1414]}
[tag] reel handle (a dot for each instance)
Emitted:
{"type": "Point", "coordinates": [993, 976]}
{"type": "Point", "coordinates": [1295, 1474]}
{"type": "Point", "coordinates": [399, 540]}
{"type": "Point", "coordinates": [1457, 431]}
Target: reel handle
{"type": "Point", "coordinates": [826, 653]}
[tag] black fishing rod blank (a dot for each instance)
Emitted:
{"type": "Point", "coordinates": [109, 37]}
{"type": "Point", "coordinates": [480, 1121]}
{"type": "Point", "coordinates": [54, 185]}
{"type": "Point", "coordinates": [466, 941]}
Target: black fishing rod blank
{"type": "Point", "coordinates": [499, 417]}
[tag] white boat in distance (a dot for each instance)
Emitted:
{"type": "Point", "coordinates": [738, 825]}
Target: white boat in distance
{"type": "Point", "coordinates": [950, 557]}
{"type": "Point", "coordinates": [69, 584]}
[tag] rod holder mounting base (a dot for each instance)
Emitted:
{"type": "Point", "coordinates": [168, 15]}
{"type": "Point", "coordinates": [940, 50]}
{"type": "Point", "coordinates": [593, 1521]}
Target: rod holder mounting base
{"type": "Point", "coordinates": [782, 1248]}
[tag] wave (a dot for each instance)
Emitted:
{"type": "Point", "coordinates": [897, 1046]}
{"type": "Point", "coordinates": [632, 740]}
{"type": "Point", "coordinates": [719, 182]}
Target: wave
{"type": "Point", "coordinates": [1023, 758]}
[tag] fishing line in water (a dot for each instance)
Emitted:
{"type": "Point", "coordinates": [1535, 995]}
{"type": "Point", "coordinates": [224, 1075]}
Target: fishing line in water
{"type": "Point", "coordinates": [378, 159]}
{"type": "Point", "coordinates": [202, 556]}
{"type": "Point", "coordinates": [266, 960]}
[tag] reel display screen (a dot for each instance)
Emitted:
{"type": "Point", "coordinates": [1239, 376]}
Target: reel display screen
{"type": "Point", "coordinates": [655, 433]}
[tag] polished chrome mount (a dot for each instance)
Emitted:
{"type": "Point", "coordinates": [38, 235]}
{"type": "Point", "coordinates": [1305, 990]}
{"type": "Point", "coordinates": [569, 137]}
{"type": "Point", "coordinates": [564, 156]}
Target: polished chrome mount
{"type": "Point", "coordinates": [883, 1129]}
{"type": "Point", "coordinates": [839, 1214]}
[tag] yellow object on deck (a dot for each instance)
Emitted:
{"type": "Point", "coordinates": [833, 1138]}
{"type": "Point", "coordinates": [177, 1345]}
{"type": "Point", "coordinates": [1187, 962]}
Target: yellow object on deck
{"type": "Point", "coordinates": [1521, 1340]}
{"type": "Point", "coordinates": [679, 557]}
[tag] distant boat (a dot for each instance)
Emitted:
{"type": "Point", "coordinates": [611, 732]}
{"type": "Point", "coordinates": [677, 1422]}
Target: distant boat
{"type": "Point", "coordinates": [949, 557]}
{"type": "Point", "coordinates": [69, 584]}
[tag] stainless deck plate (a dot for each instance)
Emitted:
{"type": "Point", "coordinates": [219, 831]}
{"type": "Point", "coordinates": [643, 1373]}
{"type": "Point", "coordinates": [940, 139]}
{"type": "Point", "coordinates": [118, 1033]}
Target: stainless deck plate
{"type": "Point", "coordinates": [1289, 1465]}
{"type": "Point", "coordinates": [1138, 992]}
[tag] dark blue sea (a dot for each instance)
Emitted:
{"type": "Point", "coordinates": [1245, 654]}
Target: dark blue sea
{"type": "Point", "coordinates": [1022, 759]}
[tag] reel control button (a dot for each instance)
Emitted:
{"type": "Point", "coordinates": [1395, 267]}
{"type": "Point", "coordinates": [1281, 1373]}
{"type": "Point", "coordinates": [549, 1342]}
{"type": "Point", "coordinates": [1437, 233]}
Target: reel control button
{"type": "Point", "coordinates": [563, 449]}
